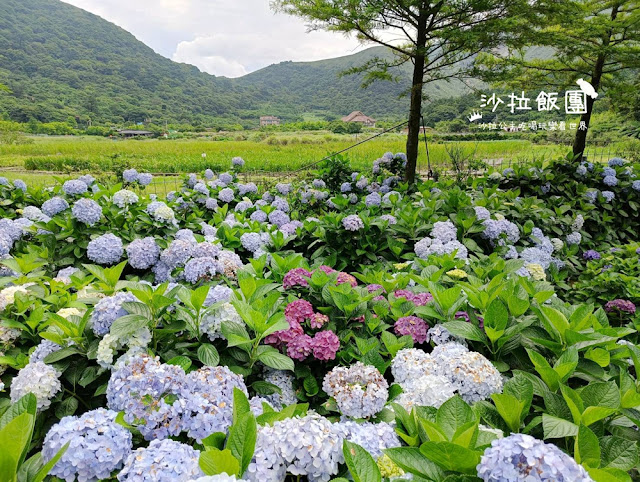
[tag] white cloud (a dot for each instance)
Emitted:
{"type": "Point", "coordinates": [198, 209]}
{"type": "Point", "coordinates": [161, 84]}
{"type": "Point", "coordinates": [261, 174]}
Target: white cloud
{"type": "Point", "coordinates": [222, 37]}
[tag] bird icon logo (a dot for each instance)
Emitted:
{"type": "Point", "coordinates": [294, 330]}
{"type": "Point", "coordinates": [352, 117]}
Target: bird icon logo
{"type": "Point", "coordinates": [587, 88]}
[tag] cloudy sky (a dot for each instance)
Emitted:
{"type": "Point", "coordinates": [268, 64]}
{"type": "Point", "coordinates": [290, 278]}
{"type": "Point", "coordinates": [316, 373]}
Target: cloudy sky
{"type": "Point", "coordinates": [222, 37]}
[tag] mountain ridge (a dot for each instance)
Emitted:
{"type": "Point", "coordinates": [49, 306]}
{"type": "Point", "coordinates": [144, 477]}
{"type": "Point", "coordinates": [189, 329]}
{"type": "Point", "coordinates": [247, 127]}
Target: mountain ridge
{"type": "Point", "coordinates": [63, 63]}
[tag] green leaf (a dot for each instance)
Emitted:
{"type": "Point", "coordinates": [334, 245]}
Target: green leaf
{"type": "Point", "coordinates": [412, 460]}
{"type": "Point", "coordinates": [215, 461]}
{"type": "Point", "coordinates": [453, 414]}
{"type": "Point", "coordinates": [593, 414]}
{"type": "Point", "coordinates": [609, 475]}
{"type": "Point", "coordinates": [26, 404]}
{"type": "Point", "coordinates": [548, 374]}
{"type": "Point", "coordinates": [181, 361]}
{"type": "Point", "coordinates": [510, 409]}
{"type": "Point", "coordinates": [452, 457]}
{"type": "Point", "coordinates": [15, 437]}
{"type": "Point", "coordinates": [215, 440]}
{"type": "Point", "coordinates": [242, 440]}
{"type": "Point", "coordinates": [496, 319]}
{"type": "Point", "coordinates": [138, 308]}
{"type": "Point", "coordinates": [127, 325]}
{"type": "Point", "coordinates": [208, 355]}
{"type": "Point", "coordinates": [619, 453]}
{"type": "Point", "coordinates": [273, 359]}
{"type": "Point", "coordinates": [466, 330]}
{"type": "Point", "coordinates": [555, 427]}
{"type": "Point", "coordinates": [601, 394]}
{"type": "Point", "coordinates": [566, 364]}
{"type": "Point", "coordinates": [241, 405]}
{"type": "Point", "coordinates": [361, 465]}
{"type": "Point", "coordinates": [587, 448]}
{"type": "Point", "coordinates": [46, 468]}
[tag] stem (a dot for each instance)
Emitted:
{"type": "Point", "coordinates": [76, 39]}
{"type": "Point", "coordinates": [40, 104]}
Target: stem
{"type": "Point", "coordinates": [75, 395]}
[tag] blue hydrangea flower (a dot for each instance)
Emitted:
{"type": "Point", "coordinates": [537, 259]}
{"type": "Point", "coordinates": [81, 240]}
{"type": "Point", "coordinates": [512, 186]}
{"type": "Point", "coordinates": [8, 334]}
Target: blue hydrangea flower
{"type": "Point", "coordinates": [591, 195]}
{"type": "Point", "coordinates": [494, 229]}
{"type": "Point", "coordinates": [284, 381]}
{"type": "Point", "coordinates": [11, 229]}
{"type": "Point", "coordinates": [373, 199]}
{"type": "Point", "coordinates": [186, 235]}
{"type": "Point", "coordinates": [283, 188]}
{"type": "Point", "coordinates": [352, 223]}
{"type": "Point", "coordinates": [38, 378]}
{"type": "Point", "coordinates": [319, 184]}
{"type": "Point", "coordinates": [608, 195]}
{"type": "Point", "coordinates": [4, 181]}
{"type": "Point", "coordinates": [202, 188]}
{"type": "Point", "coordinates": [508, 172]}
{"type": "Point", "coordinates": [444, 231]}
{"type": "Point", "coordinates": [97, 446]}
{"type": "Point", "coordinates": [54, 206]}
{"type": "Point", "coordinates": [44, 348]}
{"type": "Point", "coordinates": [197, 269]}
{"type": "Point", "coordinates": [362, 183]}
{"type": "Point", "coordinates": [345, 187]}
{"type": "Point", "coordinates": [373, 437]}
{"type": "Point", "coordinates": [105, 249]}
{"type": "Point", "coordinates": [522, 457]}
{"type": "Point", "coordinates": [581, 170]}
{"type": "Point", "coordinates": [359, 390]}
{"type": "Point", "coordinates": [130, 175]}
{"type": "Point", "coordinates": [74, 187]}
{"type": "Point", "coordinates": [574, 238]}
{"type": "Point", "coordinates": [226, 195]}
{"type": "Point", "coordinates": [177, 253]}
{"type": "Point", "coordinates": [162, 461]}
{"type": "Point", "coordinates": [208, 408]}
{"type": "Point", "coordinates": [281, 204]}
{"type": "Point", "coordinates": [482, 213]}
{"type": "Point", "coordinates": [86, 211]}
{"type": "Point", "coordinates": [143, 253]}
{"type": "Point", "coordinates": [251, 241]}
{"type": "Point", "coordinates": [108, 310]}
{"type": "Point", "coordinates": [205, 250]}
{"type": "Point", "coordinates": [278, 217]}
{"type": "Point", "coordinates": [124, 198]}
{"type": "Point", "coordinates": [608, 171]}
{"type": "Point", "coordinates": [635, 185]}
{"type": "Point", "coordinates": [208, 174]}
{"type": "Point", "coordinates": [88, 179]}
{"type": "Point", "coordinates": [610, 181]}
{"type": "Point", "coordinates": [144, 178]}
{"type": "Point", "coordinates": [225, 178]}
{"type": "Point", "coordinates": [151, 394]}
{"type": "Point", "coordinates": [304, 446]}
{"type": "Point", "coordinates": [616, 162]}
{"type": "Point", "coordinates": [218, 293]}
{"type": "Point", "coordinates": [237, 162]}
{"type": "Point", "coordinates": [20, 184]}
{"type": "Point", "coordinates": [389, 219]}
{"type": "Point", "coordinates": [259, 216]}
{"type": "Point", "coordinates": [242, 206]}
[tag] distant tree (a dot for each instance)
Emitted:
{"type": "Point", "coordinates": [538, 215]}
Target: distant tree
{"type": "Point", "coordinates": [596, 40]}
{"type": "Point", "coordinates": [437, 37]}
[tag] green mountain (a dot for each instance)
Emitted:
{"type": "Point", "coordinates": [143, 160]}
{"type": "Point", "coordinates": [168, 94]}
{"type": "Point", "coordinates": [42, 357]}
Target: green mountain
{"type": "Point", "coordinates": [61, 62]}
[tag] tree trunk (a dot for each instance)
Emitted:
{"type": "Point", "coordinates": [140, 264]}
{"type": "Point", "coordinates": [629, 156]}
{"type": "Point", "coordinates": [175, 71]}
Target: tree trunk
{"type": "Point", "coordinates": [580, 139]}
{"type": "Point", "coordinates": [415, 109]}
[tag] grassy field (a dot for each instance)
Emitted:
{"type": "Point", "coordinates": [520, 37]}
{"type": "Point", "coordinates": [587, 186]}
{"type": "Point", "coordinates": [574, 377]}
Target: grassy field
{"type": "Point", "coordinates": [282, 153]}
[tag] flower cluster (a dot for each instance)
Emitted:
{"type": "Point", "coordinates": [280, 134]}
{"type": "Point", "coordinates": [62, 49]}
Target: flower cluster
{"type": "Point", "coordinates": [162, 461]}
{"type": "Point", "coordinates": [622, 306]}
{"type": "Point", "coordinates": [306, 446]}
{"type": "Point", "coordinates": [442, 241]}
{"type": "Point", "coordinates": [359, 390]}
{"type": "Point", "coordinates": [522, 457]}
{"type": "Point", "coordinates": [108, 310]}
{"type": "Point", "coordinates": [413, 326]}
{"type": "Point", "coordinates": [143, 253]}
{"type": "Point", "coordinates": [38, 378]}
{"type": "Point", "coordinates": [97, 446]}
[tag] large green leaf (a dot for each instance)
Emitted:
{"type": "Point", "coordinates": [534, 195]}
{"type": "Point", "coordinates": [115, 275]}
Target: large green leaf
{"type": "Point", "coordinates": [453, 414]}
{"type": "Point", "coordinates": [360, 463]}
{"type": "Point", "coordinates": [412, 460]}
{"type": "Point", "coordinates": [215, 461]}
{"type": "Point", "coordinates": [587, 448]}
{"type": "Point", "coordinates": [242, 440]}
{"type": "Point", "coordinates": [555, 427]}
{"type": "Point", "coordinates": [450, 456]}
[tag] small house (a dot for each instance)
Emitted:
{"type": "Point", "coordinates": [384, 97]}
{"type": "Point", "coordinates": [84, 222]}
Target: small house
{"type": "Point", "coordinates": [269, 120]}
{"type": "Point", "coordinates": [134, 133]}
{"type": "Point", "coordinates": [357, 116]}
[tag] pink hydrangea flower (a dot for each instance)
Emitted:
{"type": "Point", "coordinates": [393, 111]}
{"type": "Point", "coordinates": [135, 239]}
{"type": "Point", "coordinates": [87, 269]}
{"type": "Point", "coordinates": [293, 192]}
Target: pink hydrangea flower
{"type": "Point", "coordinates": [318, 320]}
{"type": "Point", "coordinates": [418, 299]}
{"type": "Point", "coordinates": [325, 345]}
{"type": "Point", "coordinates": [375, 287]}
{"type": "Point", "coordinates": [296, 277]}
{"type": "Point", "coordinates": [282, 337]}
{"type": "Point", "coordinates": [412, 326]}
{"type": "Point", "coordinates": [327, 269]}
{"type": "Point", "coordinates": [300, 347]}
{"type": "Point", "coordinates": [346, 278]}
{"type": "Point", "coordinates": [298, 311]}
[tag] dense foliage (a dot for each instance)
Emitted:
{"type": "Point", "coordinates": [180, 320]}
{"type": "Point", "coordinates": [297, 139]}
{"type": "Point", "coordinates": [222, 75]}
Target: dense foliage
{"type": "Point", "coordinates": [342, 326]}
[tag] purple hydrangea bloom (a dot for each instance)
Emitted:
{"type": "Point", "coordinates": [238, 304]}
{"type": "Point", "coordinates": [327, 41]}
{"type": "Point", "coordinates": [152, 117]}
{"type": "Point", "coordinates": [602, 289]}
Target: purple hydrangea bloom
{"type": "Point", "coordinates": [625, 306]}
{"type": "Point", "coordinates": [278, 217]}
{"type": "Point", "coordinates": [591, 255]}
{"type": "Point", "coordinates": [373, 199]}
{"type": "Point", "coordinates": [413, 326]}
{"type": "Point", "coordinates": [226, 195]}
{"type": "Point", "coordinates": [197, 269]}
{"type": "Point", "coordinates": [259, 216]}
{"type": "Point", "coordinates": [144, 179]}
{"type": "Point", "coordinates": [345, 187]}
{"type": "Point", "coordinates": [177, 253]}
{"type": "Point", "coordinates": [237, 162]}
{"type": "Point", "coordinates": [20, 184]}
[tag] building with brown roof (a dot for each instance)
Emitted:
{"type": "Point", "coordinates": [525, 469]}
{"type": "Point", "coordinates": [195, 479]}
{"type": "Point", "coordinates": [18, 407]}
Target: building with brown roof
{"type": "Point", "coordinates": [357, 116]}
